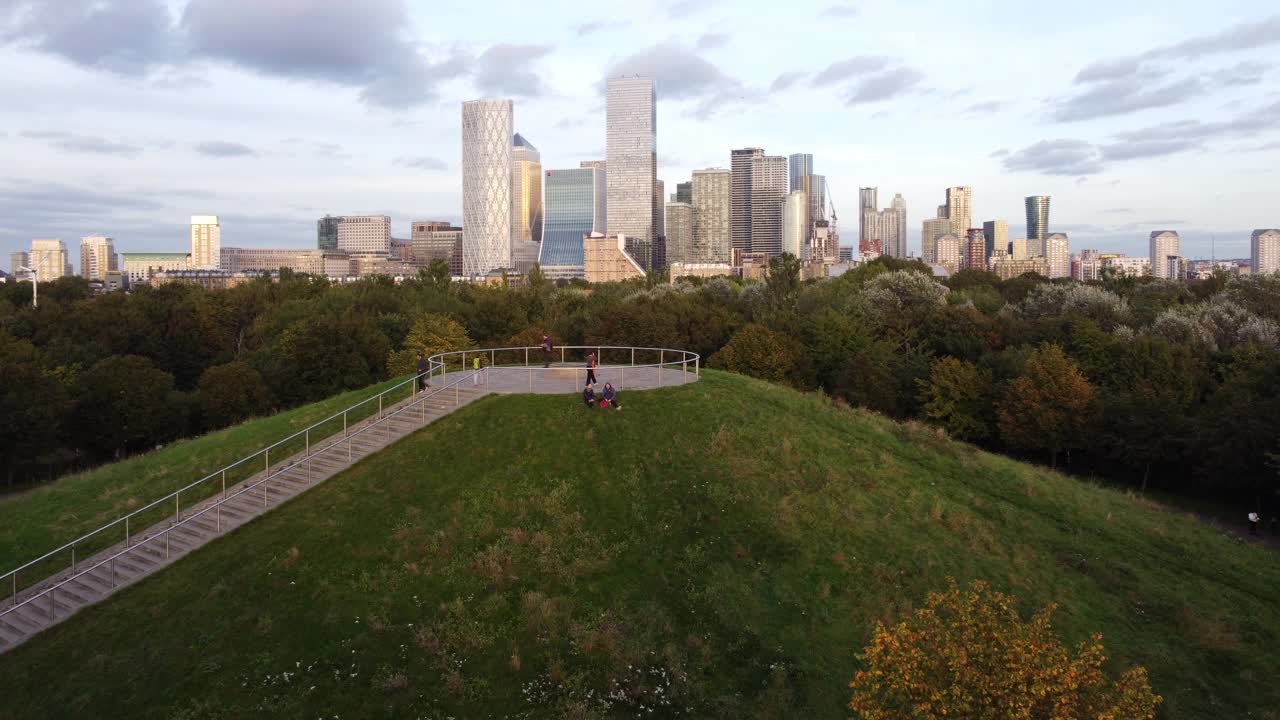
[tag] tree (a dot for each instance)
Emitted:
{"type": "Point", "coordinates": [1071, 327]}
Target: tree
{"type": "Point", "coordinates": [1049, 406]}
{"type": "Point", "coordinates": [782, 282]}
{"type": "Point", "coordinates": [32, 407]}
{"type": "Point", "coordinates": [436, 274]}
{"type": "Point", "coordinates": [231, 393]}
{"type": "Point", "coordinates": [124, 405]}
{"type": "Point", "coordinates": [957, 397]}
{"type": "Point", "coordinates": [757, 351]}
{"type": "Point", "coordinates": [968, 654]}
{"type": "Point", "coordinates": [430, 335]}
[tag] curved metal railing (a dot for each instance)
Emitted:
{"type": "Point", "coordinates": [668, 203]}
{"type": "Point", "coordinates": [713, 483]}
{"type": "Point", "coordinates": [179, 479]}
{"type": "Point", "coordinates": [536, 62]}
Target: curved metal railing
{"type": "Point", "coordinates": [530, 360]}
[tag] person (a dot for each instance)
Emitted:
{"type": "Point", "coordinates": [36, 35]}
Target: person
{"type": "Point", "coordinates": [589, 396]}
{"type": "Point", "coordinates": [611, 396]}
{"type": "Point", "coordinates": [475, 376]}
{"type": "Point", "coordinates": [422, 372]}
{"type": "Point", "coordinates": [1253, 523]}
{"type": "Point", "coordinates": [547, 346]}
{"type": "Point", "coordinates": [591, 367]}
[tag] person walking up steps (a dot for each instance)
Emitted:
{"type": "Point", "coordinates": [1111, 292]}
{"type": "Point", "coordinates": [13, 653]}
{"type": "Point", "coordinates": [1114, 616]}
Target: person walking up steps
{"type": "Point", "coordinates": [422, 372]}
{"type": "Point", "coordinates": [546, 351]}
{"type": "Point", "coordinates": [591, 368]}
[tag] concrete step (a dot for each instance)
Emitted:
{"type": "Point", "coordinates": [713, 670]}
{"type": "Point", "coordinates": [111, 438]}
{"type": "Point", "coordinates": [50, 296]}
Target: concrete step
{"type": "Point", "coordinates": [10, 633]}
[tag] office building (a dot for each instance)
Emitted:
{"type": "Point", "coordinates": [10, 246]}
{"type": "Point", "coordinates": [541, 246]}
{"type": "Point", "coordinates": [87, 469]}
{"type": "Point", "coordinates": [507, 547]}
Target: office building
{"type": "Point", "coordinates": [209, 279]}
{"type": "Point", "coordinates": [574, 206]}
{"type": "Point", "coordinates": [19, 260]}
{"type": "Point", "coordinates": [1020, 249]}
{"type": "Point", "coordinates": [974, 250]}
{"type": "Point", "coordinates": [97, 257]}
{"type": "Point", "coordinates": [817, 198]}
{"type": "Point", "coordinates": [897, 244]}
{"type": "Point", "coordinates": [206, 242]}
{"type": "Point", "coordinates": [526, 191]}
{"type": "Point", "coordinates": [799, 168]}
{"type": "Point", "coordinates": [49, 259]}
{"type": "Point", "coordinates": [364, 234]}
{"type": "Point", "coordinates": [712, 215]}
{"type": "Point", "coordinates": [437, 240]}
{"type": "Point", "coordinates": [139, 268]}
{"type": "Point", "coordinates": [1057, 254]}
{"type": "Point", "coordinates": [960, 209]}
{"type": "Point", "coordinates": [741, 162]}
{"type": "Point", "coordinates": [1164, 244]}
{"type": "Point", "coordinates": [1087, 266]}
{"type": "Point", "coordinates": [605, 259]}
{"type": "Point", "coordinates": [996, 235]}
{"type": "Point", "coordinates": [768, 190]}
{"type": "Point", "coordinates": [867, 208]}
{"type": "Point", "coordinates": [1175, 267]}
{"type": "Point", "coordinates": [934, 228]}
{"type": "Point", "coordinates": [1121, 266]}
{"type": "Point", "coordinates": [1037, 220]}
{"type": "Point", "coordinates": [1264, 251]}
{"type": "Point", "coordinates": [324, 263]}
{"type": "Point", "coordinates": [327, 232]}
{"type": "Point", "coordinates": [1006, 267]}
{"type": "Point", "coordinates": [684, 192]}
{"type": "Point", "coordinates": [948, 251]}
{"type": "Point", "coordinates": [597, 164]}
{"type": "Point", "coordinates": [486, 186]}
{"type": "Point", "coordinates": [659, 202]}
{"type": "Point", "coordinates": [699, 270]}
{"type": "Point", "coordinates": [795, 232]}
{"type": "Point", "coordinates": [679, 235]}
{"type": "Point", "coordinates": [631, 148]}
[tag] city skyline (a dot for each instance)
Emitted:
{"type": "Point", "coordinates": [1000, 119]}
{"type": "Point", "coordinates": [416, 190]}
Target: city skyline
{"type": "Point", "coordinates": [1125, 118]}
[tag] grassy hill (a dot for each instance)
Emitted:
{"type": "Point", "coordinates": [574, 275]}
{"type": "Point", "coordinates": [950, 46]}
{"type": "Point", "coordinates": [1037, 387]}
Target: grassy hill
{"type": "Point", "coordinates": [721, 549]}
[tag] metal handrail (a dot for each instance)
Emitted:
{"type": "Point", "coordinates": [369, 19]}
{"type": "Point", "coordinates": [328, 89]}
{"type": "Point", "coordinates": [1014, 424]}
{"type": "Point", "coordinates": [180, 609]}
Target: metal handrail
{"type": "Point", "coordinates": [432, 366]}
{"type": "Point", "coordinates": [685, 356]}
{"type": "Point", "coordinates": [216, 505]}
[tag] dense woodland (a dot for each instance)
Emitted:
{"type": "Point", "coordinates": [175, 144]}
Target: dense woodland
{"type": "Point", "coordinates": [1168, 385]}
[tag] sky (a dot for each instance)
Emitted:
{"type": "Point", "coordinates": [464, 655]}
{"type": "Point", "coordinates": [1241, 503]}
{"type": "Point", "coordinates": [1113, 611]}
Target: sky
{"type": "Point", "coordinates": [126, 117]}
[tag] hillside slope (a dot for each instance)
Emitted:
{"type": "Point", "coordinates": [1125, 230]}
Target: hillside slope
{"type": "Point", "coordinates": [721, 549]}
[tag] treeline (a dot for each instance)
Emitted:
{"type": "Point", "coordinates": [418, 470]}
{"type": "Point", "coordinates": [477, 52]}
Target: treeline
{"type": "Point", "coordinates": [1167, 384]}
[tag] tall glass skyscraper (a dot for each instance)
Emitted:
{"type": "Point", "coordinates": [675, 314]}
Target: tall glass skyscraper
{"type": "Point", "coordinates": [526, 191]}
{"type": "Point", "coordinates": [740, 162]}
{"type": "Point", "coordinates": [795, 208]}
{"type": "Point", "coordinates": [486, 186]}
{"type": "Point", "coordinates": [768, 190]}
{"type": "Point", "coordinates": [899, 246]}
{"type": "Point", "coordinates": [800, 166]}
{"type": "Point", "coordinates": [867, 219]}
{"type": "Point", "coordinates": [1038, 220]}
{"type": "Point", "coordinates": [574, 206]}
{"type": "Point", "coordinates": [631, 147]}
{"type": "Point", "coordinates": [712, 224]}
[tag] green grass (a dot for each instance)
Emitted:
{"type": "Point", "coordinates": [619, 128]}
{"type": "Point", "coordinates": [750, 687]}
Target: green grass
{"type": "Point", "coordinates": [726, 547]}
{"type": "Point", "coordinates": [46, 517]}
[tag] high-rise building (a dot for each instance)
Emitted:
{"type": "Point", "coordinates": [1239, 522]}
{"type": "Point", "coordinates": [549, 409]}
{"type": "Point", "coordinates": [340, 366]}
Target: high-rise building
{"type": "Point", "coordinates": [974, 251]}
{"type": "Point", "coordinates": [768, 189]}
{"type": "Point", "coordinates": [960, 209]}
{"type": "Point", "coordinates": [574, 207]}
{"type": "Point", "coordinates": [49, 259]}
{"type": "Point", "coordinates": [1122, 266]}
{"type": "Point", "coordinates": [684, 192]}
{"type": "Point", "coordinates": [996, 235]}
{"type": "Point", "coordinates": [680, 233]}
{"type": "Point", "coordinates": [631, 147]}
{"type": "Point", "coordinates": [327, 233]}
{"type": "Point", "coordinates": [206, 242]}
{"type": "Point", "coordinates": [795, 231]}
{"type": "Point", "coordinates": [1264, 251]}
{"type": "Point", "coordinates": [817, 198]}
{"type": "Point", "coordinates": [1164, 244]}
{"type": "Point", "coordinates": [1020, 249]}
{"type": "Point", "coordinates": [799, 168]}
{"type": "Point", "coordinates": [526, 191]}
{"type": "Point", "coordinates": [436, 240]}
{"type": "Point", "coordinates": [741, 162]}
{"type": "Point", "coordinates": [97, 257]}
{"type": "Point", "coordinates": [948, 250]}
{"type": "Point", "coordinates": [1087, 266]}
{"type": "Point", "coordinates": [866, 223]}
{"type": "Point", "coordinates": [1057, 253]}
{"type": "Point", "coordinates": [933, 229]}
{"type": "Point", "coordinates": [19, 260]}
{"type": "Point", "coordinates": [364, 234]}
{"type": "Point", "coordinates": [897, 247]}
{"type": "Point", "coordinates": [605, 259]}
{"type": "Point", "coordinates": [486, 186]}
{"type": "Point", "coordinates": [659, 201]}
{"type": "Point", "coordinates": [141, 267]}
{"type": "Point", "coordinates": [1037, 219]}
{"type": "Point", "coordinates": [712, 208]}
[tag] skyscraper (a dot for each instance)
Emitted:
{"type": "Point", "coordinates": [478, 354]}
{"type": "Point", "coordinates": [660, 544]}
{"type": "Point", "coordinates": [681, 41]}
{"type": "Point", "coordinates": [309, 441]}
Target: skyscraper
{"type": "Point", "coordinates": [974, 250]}
{"type": "Point", "coordinates": [948, 252]}
{"type": "Point", "coordinates": [712, 226]}
{"type": "Point", "coordinates": [327, 233]}
{"type": "Point", "coordinates": [960, 209]}
{"type": "Point", "coordinates": [486, 185]}
{"type": "Point", "coordinates": [18, 260]}
{"type": "Point", "coordinates": [48, 259]}
{"type": "Point", "coordinates": [1164, 244]}
{"type": "Point", "coordinates": [364, 234]}
{"type": "Point", "coordinates": [996, 235]}
{"type": "Point", "coordinates": [934, 228]}
{"type": "Point", "coordinates": [659, 202]}
{"type": "Point", "coordinates": [574, 207]}
{"type": "Point", "coordinates": [684, 192]}
{"type": "Point", "coordinates": [800, 167]}
{"type": "Point", "coordinates": [740, 164]}
{"type": "Point", "coordinates": [680, 220]}
{"type": "Point", "coordinates": [795, 208]}
{"type": "Point", "coordinates": [206, 242]}
{"type": "Point", "coordinates": [631, 148]}
{"type": "Point", "coordinates": [768, 189]}
{"type": "Point", "coordinates": [97, 257]}
{"type": "Point", "coordinates": [898, 247]}
{"type": "Point", "coordinates": [1057, 252]}
{"type": "Point", "coordinates": [1037, 221]}
{"type": "Point", "coordinates": [818, 198]}
{"type": "Point", "coordinates": [867, 229]}
{"type": "Point", "coordinates": [526, 191]}
{"type": "Point", "coordinates": [1264, 246]}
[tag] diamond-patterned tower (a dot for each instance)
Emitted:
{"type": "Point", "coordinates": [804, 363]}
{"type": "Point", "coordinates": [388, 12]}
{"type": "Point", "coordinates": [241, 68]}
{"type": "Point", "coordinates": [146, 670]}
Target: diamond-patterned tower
{"type": "Point", "coordinates": [486, 185]}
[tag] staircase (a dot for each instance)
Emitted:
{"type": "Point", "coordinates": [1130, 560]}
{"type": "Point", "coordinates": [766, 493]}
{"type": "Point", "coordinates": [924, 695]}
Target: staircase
{"type": "Point", "coordinates": [94, 578]}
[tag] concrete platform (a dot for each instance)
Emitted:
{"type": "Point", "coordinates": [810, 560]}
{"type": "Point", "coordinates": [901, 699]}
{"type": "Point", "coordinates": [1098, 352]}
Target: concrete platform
{"type": "Point", "coordinates": [566, 379]}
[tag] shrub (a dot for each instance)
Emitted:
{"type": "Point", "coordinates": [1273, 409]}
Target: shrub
{"type": "Point", "coordinates": [431, 334]}
{"type": "Point", "coordinates": [968, 654]}
{"type": "Point", "coordinates": [757, 351]}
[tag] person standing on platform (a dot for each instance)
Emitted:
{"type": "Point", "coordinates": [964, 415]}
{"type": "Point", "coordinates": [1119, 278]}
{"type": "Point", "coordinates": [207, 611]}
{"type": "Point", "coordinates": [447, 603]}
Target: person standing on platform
{"type": "Point", "coordinates": [547, 347]}
{"type": "Point", "coordinates": [591, 368]}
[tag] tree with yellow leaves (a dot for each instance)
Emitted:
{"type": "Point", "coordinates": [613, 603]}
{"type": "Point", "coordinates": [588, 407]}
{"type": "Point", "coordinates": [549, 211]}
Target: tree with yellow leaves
{"type": "Point", "coordinates": [969, 655]}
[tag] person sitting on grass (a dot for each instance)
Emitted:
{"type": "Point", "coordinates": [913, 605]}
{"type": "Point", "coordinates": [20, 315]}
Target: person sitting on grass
{"type": "Point", "coordinates": [610, 397]}
{"type": "Point", "coordinates": [589, 396]}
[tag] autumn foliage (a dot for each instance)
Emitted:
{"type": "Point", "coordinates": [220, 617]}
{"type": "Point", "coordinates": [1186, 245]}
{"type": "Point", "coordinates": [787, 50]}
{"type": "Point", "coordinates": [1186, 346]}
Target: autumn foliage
{"type": "Point", "coordinates": [968, 654]}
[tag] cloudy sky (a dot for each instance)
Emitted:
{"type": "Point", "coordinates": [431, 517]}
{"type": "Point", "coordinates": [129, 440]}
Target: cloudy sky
{"type": "Point", "coordinates": [125, 117]}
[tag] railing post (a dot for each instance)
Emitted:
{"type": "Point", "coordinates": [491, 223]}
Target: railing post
{"type": "Point", "coordinates": [73, 558]}
{"type": "Point", "coordinates": [526, 357]}
{"type": "Point", "coordinates": [633, 357]}
{"type": "Point", "coordinates": [622, 381]}
{"type": "Point", "coordinates": [697, 360]}
{"type": "Point", "coordinates": [455, 394]}
{"type": "Point", "coordinates": [177, 513]}
{"type": "Point", "coordinates": [266, 471]}
{"type": "Point", "coordinates": [15, 589]}
{"type": "Point", "coordinates": [492, 356]}
{"type": "Point", "coordinates": [166, 543]}
{"type": "Point", "coordinates": [126, 532]}
{"type": "Point", "coordinates": [53, 605]}
{"type": "Point", "coordinates": [530, 379]}
{"type": "Point", "coordinates": [684, 370]}
{"type": "Point", "coordinates": [662, 356]}
{"type": "Point", "coordinates": [309, 455]}
{"type": "Point", "coordinates": [113, 572]}
{"type": "Point", "coordinates": [561, 354]}
{"type": "Point", "coordinates": [379, 408]}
